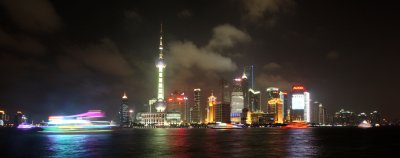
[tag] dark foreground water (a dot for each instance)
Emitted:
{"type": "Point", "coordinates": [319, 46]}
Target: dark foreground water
{"type": "Point", "coordinates": [264, 142]}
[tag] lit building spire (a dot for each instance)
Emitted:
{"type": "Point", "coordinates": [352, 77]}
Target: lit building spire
{"type": "Point", "coordinates": [124, 96]}
{"type": "Point", "coordinates": [212, 100]}
{"type": "Point", "coordinates": [161, 44]}
{"type": "Point", "coordinates": [160, 64]}
{"type": "Point", "coordinates": [244, 75]}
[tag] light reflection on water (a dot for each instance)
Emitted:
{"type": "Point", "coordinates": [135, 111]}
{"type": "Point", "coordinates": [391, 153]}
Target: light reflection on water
{"type": "Point", "coordinates": [74, 145]}
{"type": "Point", "coordinates": [267, 142]}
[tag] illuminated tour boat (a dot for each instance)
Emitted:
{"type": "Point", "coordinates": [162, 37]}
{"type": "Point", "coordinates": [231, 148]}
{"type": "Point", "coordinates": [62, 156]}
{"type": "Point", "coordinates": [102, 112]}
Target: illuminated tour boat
{"type": "Point", "coordinates": [364, 124]}
{"type": "Point", "coordinates": [220, 125]}
{"type": "Point", "coordinates": [86, 122]}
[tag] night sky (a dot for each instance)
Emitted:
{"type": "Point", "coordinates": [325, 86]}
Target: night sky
{"type": "Point", "coordinates": [67, 57]}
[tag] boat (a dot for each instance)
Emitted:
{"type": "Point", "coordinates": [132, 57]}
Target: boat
{"type": "Point", "coordinates": [297, 124]}
{"type": "Point", "coordinates": [364, 124]}
{"type": "Point", "coordinates": [220, 125]}
{"type": "Point", "coordinates": [81, 123]}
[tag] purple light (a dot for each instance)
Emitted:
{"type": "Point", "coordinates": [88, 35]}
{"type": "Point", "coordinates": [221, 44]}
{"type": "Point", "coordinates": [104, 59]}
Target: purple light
{"type": "Point", "coordinates": [89, 114]}
{"type": "Point", "coordinates": [24, 126]}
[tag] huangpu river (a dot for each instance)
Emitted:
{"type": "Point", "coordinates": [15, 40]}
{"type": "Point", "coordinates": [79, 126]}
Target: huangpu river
{"type": "Point", "coordinates": [182, 142]}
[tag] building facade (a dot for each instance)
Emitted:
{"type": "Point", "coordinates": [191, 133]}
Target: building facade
{"type": "Point", "coordinates": [124, 112]}
{"type": "Point", "coordinates": [212, 100]}
{"type": "Point", "coordinates": [237, 101]}
{"type": "Point", "coordinates": [151, 118]}
{"type": "Point", "coordinates": [254, 100]}
{"type": "Point", "coordinates": [195, 110]}
{"type": "Point", "coordinates": [222, 112]}
{"type": "Point", "coordinates": [178, 103]}
{"type": "Point", "coordinates": [301, 110]}
{"type": "Point", "coordinates": [275, 104]}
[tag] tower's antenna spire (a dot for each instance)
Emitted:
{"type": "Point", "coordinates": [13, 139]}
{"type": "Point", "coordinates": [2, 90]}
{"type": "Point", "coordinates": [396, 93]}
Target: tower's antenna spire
{"type": "Point", "coordinates": [161, 43]}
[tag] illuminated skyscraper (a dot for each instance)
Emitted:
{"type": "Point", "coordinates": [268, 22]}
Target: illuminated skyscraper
{"type": "Point", "coordinates": [245, 89]}
{"type": "Point", "coordinates": [272, 97]}
{"type": "Point", "coordinates": [321, 115]}
{"type": "Point", "coordinates": [275, 104]}
{"type": "Point", "coordinates": [124, 112]}
{"type": "Point", "coordinates": [314, 112]}
{"type": "Point", "coordinates": [301, 110]}
{"type": "Point", "coordinates": [237, 101]}
{"type": "Point", "coordinates": [177, 103]}
{"type": "Point", "coordinates": [195, 113]}
{"type": "Point", "coordinates": [249, 71]}
{"type": "Point", "coordinates": [212, 100]}
{"type": "Point", "coordinates": [225, 92]}
{"type": "Point", "coordinates": [160, 64]}
{"type": "Point", "coordinates": [287, 109]}
{"type": "Point", "coordinates": [254, 100]}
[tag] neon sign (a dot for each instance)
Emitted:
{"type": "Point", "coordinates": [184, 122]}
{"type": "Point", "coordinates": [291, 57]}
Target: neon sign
{"type": "Point", "coordinates": [298, 88]}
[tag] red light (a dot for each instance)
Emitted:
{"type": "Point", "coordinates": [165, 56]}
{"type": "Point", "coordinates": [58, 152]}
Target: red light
{"type": "Point", "coordinates": [298, 88]}
{"type": "Point", "coordinates": [179, 98]}
{"type": "Point", "coordinates": [170, 99]}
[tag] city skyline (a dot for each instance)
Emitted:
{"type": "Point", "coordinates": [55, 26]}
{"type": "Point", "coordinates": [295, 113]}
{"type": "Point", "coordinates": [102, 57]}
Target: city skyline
{"type": "Point", "coordinates": [68, 61]}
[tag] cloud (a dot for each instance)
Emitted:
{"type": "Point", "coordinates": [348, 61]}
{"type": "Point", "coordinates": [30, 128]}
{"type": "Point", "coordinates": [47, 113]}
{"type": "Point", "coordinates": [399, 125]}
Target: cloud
{"type": "Point", "coordinates": [102, 57]}
{"type": "Point", "coordinates": [332, 55]}
{"type": "Point", "coordinates": [271, 66]}
{"type": "Point", "coordinates": [272, 75]}
{"type": "Point", "coordinates": [272, 80]}
{"type": "Point", "coordinates": [185, 57]}
{"type": "Point", "coordinates": [33, 16]}
{"type": "Point", "coordinates": [186, 54]}
{"type": "Point", "coordinates": [132, 15]}
{"type": "Point", "coordinates": [257, 11]}
{"type": "Point", "coordinates": [226, 36]}
{"type": "Point", "coordinates": [185, 14]}
{"type": "Point", "coordinates": [21, 43]}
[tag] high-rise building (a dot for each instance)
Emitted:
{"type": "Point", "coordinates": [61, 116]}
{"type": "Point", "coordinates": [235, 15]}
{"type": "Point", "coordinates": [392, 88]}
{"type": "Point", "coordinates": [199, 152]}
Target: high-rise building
{"type": "Point", "coordinates": [318, 114]}
{"type": "Point", "coordinates": [322, 115]}
{"type": "Point", "coordinates": [300, 104]}
{"type": "Point", "coordinates": [237, 101]}
{"type": "Point", "coordinates": [249, 71]}
{"type": "Point", "coordinates": [287, 109]}
{"type": "Point", "coordinates": [178, 103]}
{"type": "Point", "coordinates": [124, 112]}
{"type": "Point", "coordinates": [222, 112]}
{"type": "Point", "coordinates": [307, 107]}
{"type": "Point", "coordinates": [272, 98]}
{"type": "Point", "coordinates": [212, 100]}
{"type": "Point", "coordinates": [160, 64]}
{"type": "Point", "coordinates": [195, 112]}
{"type": "Point", "coordinates": [314, 112]}
{"type": "Point", "coordinates": [245, 89]}
{"type": "Point", "coordinates": [225, 92]}
{"type": "Point", "coordinates": [18, 118]}
{"type": "Point", "coordinates": [254, 100]}
{"type": "Point", "coordinates": [275, 104]}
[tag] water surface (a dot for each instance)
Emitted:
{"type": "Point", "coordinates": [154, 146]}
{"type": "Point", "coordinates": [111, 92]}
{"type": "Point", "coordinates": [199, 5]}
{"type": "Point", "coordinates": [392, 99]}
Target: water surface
{"type": "Point", "coordinates": [252, 142]}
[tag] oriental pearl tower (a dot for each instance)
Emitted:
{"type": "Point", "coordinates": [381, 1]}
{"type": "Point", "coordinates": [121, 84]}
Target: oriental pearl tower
{"type": "Point", "coordinates": [160, 64]}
